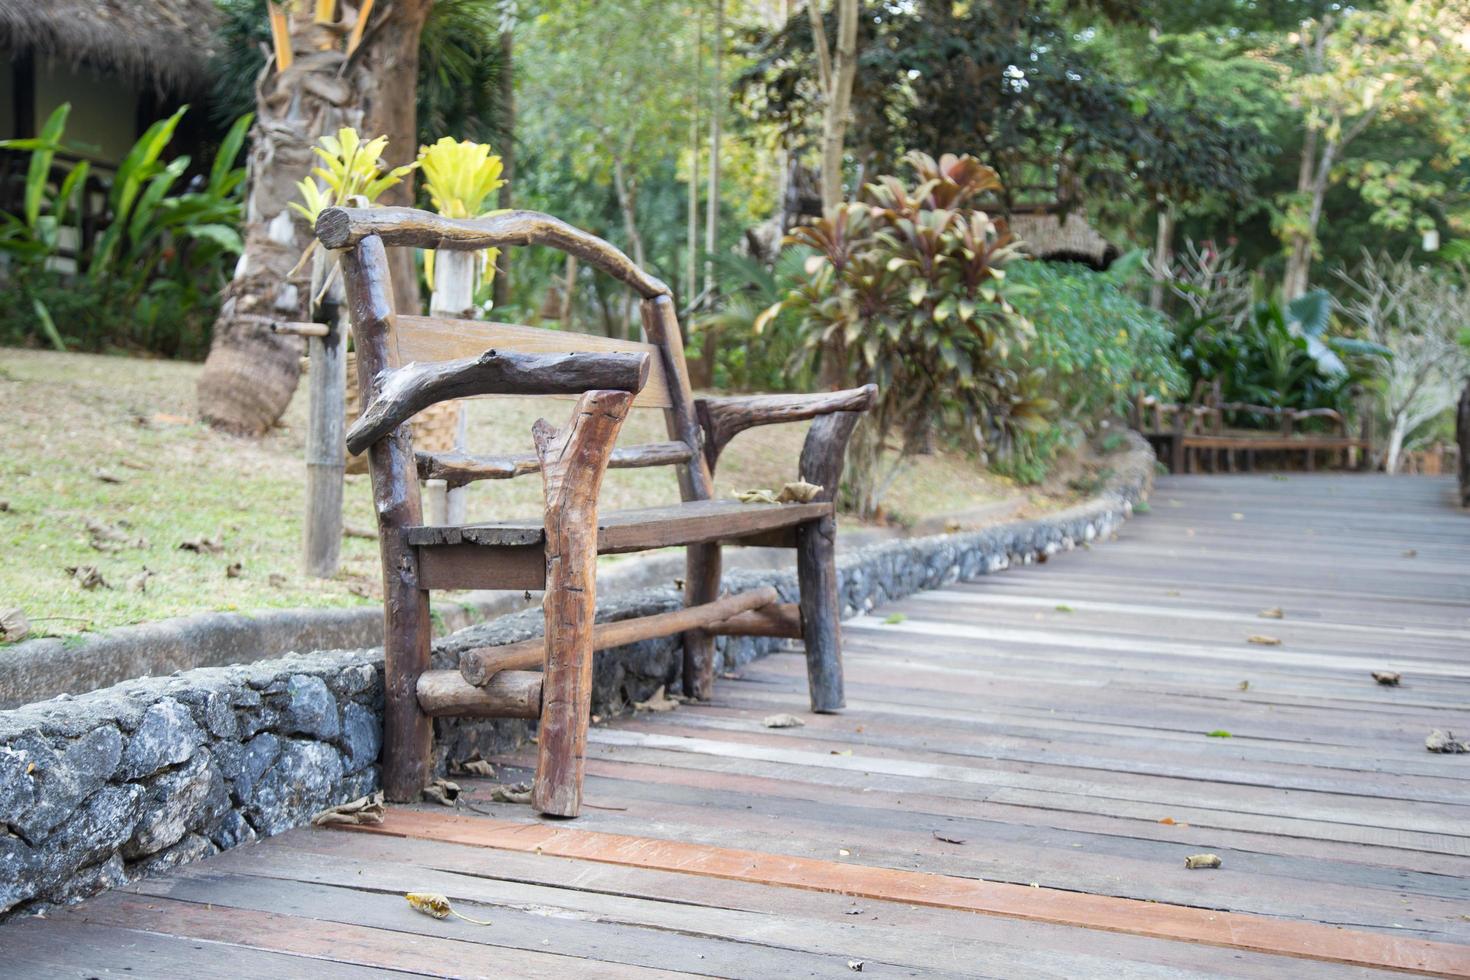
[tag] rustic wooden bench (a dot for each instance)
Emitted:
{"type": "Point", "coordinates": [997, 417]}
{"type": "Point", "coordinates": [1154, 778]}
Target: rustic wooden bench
{"type": "Point", "coordinates": [407, 363]}
{"type": "Point", "coordinates": [1190, 437]}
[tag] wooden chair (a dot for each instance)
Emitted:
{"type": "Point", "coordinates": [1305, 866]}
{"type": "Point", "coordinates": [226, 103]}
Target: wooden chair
{"type": "Point", "coordinates": [407, 363]}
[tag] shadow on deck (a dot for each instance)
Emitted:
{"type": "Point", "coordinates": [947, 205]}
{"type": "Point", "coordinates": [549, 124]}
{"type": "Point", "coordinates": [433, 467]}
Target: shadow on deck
{"type": "Point", "coordinates": [1024, 766]}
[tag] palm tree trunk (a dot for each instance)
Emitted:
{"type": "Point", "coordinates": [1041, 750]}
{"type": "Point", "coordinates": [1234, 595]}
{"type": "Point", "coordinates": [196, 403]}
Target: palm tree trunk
{"type": "Point", "coordinates": [251, 372]}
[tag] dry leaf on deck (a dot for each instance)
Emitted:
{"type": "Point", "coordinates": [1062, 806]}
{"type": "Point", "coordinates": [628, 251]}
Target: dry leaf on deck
{"type": "Point", "coordinates": [441, 791]}
{"type": "Point", "coordinates": [1196, 861]}
{"type": "Point", "coordinates": [474, 767]}
{"type": "Point", "coordinates": [1260, 639]}
{"type": "Point", "coordinates": [782, 721]}
{"type": "Point", "coordinates": [1445, 743]}
{"type": "Point", "coordinates": [856, 966]}
{"type": "Point", "coordinates": [657, 702]}
{"type": "Point", "coordinates": [757, 496]}
{"type": "Point", "coordinates": [947, 840]}
{"type": "Point", "coordinates": [1273, 613]}
{"type": "Point", "coordinates": [510, 793]}
{"type": "Point", "coordinates": [1387, 678]}
{"type": "Point", "coordinates": [438, 906]}
{"type": "Point", "coordinates": [363, 810]}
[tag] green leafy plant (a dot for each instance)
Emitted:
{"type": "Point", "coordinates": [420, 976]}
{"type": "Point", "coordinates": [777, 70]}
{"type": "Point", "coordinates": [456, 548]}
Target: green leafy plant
{"type": "Point", "coordinates": [907, 289]}
{"type": "Point", "coordinates": [151, 277]}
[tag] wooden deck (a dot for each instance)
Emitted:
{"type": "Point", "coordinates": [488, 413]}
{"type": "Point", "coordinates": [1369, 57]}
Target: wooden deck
{"type": "Point", "coordinates": [1023, 768]}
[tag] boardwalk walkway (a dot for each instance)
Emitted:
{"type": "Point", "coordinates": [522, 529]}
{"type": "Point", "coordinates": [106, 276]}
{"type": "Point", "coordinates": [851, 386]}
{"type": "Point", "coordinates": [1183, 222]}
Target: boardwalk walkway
{"type": "Point", "coordinates": [1026, 762]}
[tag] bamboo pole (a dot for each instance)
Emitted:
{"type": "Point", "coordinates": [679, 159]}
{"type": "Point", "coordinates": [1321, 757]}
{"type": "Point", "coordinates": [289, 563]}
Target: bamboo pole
{"type": "Point", "coordinates": [325, 449]}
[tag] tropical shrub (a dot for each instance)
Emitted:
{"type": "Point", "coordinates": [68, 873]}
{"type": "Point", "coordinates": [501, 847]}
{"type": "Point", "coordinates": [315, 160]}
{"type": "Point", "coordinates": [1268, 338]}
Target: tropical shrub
{"type": "Point", "coordinates": [1097, 348]}
{"type": "Point", "coordinates": [1281, 356]}
{"type": "Point", "coordinates": [151, 279]}
{"type": "Point", "coordinates": [907, 288]}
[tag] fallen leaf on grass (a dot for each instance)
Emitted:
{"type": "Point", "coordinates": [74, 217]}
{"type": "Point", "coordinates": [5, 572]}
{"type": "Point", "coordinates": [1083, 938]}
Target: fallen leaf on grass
{"type": "Point", "coordinates": [948, 840]}
{"type": "Point", "coordinates": [139, 582]}
{"type": "Point", "coordinates": [202, 545]}
{"type": "Point", "coordinates": [1261, 639]}
{"type": "Point", "coordinates": [107, 477]}
{"type": "Point", "coordinates": [1445, 743]}
{"type": "Point", "coordinates": [276, 580]}
{"type": "Point", "coordinates": [88, 577]}
{"type": "Point", "coordinates": [438, 907]}
{"type": "Point", "coordinates": [4, 506]}
{"type": "Point", "coordinates": [782, 721]}
{"type": "Point", "coordinates": [109, 537]}
{"type": "Point", "coordinates": [659, 701]}
{"type": "Point", "coordinates": [363, 810]}
{"type": "Point", "coordinates": [441, 791]}
{"type": "Point", "coordinates": [1273, 613]}
{"type": "Point", "coordinates": [352, 531]}
{"type": "Point", "coordinates": [234, 570]}
{"type": "Point", "coordinates": [1387, 678]}
{"type": "Point", "coordinates": [1197, 861]}
{"type": "Point", "coordinates": [14, 626]}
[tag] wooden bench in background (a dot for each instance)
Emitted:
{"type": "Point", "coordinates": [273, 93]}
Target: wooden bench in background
{"type": "Point", "coordinates": [1191, 437]}
{"type": "Point", "coordinates": [407, 363]}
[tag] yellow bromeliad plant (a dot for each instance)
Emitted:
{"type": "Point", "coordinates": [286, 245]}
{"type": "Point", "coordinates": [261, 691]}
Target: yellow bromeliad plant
{"type": "Point", "coordinates": [352, 170]}
{"type": "Point", "coordinates": [460, 177]}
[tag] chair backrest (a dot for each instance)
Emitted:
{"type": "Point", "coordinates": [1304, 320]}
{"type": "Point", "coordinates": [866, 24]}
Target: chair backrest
{"type": "Point", "coordinates": [404, 339]}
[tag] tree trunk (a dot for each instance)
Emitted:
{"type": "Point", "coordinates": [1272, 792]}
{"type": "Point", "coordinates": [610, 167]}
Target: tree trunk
{"type": "Point", "coordinates": [251, 372]}
{"type": "Point", "coordinates": [627, 192]}
{"type": "Point", "coordinates": [712, 202]}
{"type": "Point", "coordinates": [838, 99]}
{"type": "Point", "coordinates": [507, 158]}
{"type": "Point", "coordinates": [1163, 255]}
{"type": "Point", "coordinates": [1395, 447]}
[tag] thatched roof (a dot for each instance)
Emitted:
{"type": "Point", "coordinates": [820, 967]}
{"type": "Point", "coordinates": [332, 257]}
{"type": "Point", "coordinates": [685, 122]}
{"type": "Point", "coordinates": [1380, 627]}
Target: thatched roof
{"type": "Point", "coordinates": [1074, 240]}
{"type": "Point", "coordinates": [165, 43]}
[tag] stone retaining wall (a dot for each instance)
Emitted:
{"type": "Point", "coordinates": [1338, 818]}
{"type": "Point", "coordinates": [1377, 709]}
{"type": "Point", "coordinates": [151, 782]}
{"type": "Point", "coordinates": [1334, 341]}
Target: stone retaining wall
{"type": "Point", "coordinates": [111, 785]}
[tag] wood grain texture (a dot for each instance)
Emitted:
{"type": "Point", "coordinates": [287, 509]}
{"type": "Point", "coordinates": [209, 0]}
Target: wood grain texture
{"type": "Point", "coordinates": [508, 694]}
{"type": "Point", "coordinates": [459, 469]}
{"type": "Point", "coordinates": [724, 418]}
{"type": "Point", "coordinates": [479, 665]}
{"type": "Point", "coordinates": [344, 227]}
{"type": "Point", "coordinates": [822, 458]}
{"type": "Point", "coordinates": [641, 529]}
{"type": "Point", "coordinates": [573, 460]}
{"type": "Point", "coordinates": [425, 339]}
{"type": "Point", "coordinates": [661, 328]}
{"type": "Point", "coordinates": [1194, 925]}
{"type": "Point", "coordinates": [473, 566]}
{"type": "Point", "coordinates": [407, 731]}
{"type": "Point", "coordinates": [404, 392]}
{"type": "Point", "coordinates": [703, 570]}
{"type": "Point", "coordinates": [778, 619]}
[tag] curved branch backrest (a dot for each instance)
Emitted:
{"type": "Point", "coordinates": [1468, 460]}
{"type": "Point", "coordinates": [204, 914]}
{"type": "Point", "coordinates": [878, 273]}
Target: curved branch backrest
{"type": "Point", "coordinates": [344, 227]}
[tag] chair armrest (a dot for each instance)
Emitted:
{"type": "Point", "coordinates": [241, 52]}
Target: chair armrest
{"type": "Point", "coordinates": [406, 391]}
{"type": "Point", "coordinates": [723, 418]}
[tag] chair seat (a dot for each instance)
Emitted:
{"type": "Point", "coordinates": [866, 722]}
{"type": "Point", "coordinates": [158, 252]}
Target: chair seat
{"type": "Point", "coordinates": [691, 522]}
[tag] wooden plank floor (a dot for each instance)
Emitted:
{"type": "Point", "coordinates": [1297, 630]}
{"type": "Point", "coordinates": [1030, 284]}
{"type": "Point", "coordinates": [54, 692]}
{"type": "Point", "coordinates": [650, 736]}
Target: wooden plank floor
{"type": "Point", "coordinates": [1024, 765]}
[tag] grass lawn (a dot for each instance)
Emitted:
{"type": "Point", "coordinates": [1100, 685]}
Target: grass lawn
{"type": "Point", "coordinates": [103, 465]}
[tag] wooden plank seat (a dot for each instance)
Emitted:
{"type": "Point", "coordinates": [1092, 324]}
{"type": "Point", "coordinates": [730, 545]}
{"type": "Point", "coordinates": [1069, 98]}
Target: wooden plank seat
{"type": "Point", "coordinates": [620, 531]}
{"type": "Point", "coordinates": [407, 363]}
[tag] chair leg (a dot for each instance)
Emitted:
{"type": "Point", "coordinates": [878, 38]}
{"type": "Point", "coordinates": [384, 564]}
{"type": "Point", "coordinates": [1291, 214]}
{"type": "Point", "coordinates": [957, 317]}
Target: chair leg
{"type": "Point", "coordinates": [816, 572]}
{"type": "Point", "coordinates": [702, 570]}
{"type": "Point", "coordinates": [573, 461]}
